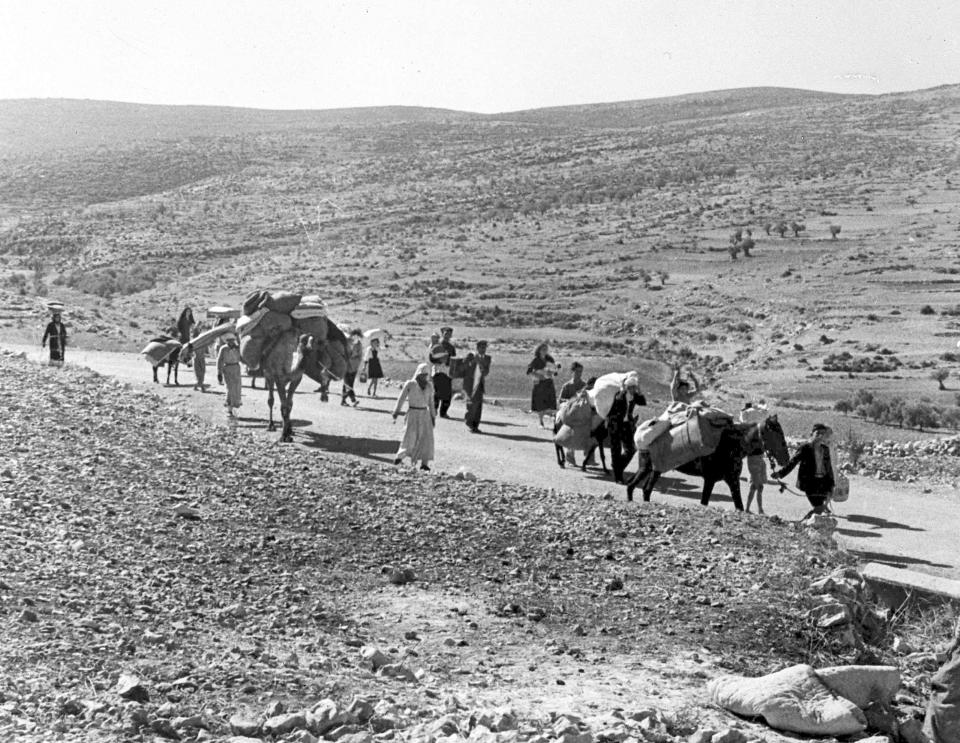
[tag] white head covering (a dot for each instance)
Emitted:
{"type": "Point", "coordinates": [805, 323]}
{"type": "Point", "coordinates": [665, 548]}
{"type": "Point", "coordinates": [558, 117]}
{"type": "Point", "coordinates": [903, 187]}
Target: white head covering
{"type": "Point", "coordinates": [422, 369]}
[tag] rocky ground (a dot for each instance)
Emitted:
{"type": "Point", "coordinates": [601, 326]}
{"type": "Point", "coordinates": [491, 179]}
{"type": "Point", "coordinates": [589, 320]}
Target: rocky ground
{"type": "Point", "coordinates": [160, 577]}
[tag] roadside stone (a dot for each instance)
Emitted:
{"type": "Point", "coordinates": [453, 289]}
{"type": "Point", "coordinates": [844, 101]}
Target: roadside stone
{"type": "Point", "coordinates": [28, 616]}
{"type": "Point", "coordinates": [464, 474]}
{"type": "Point", "coordinates": [360, 709]}
{"type": "Point", "coordinates": [130, 687]}
{"type": "Point", "coordinates": [243, 725]}
{"type": "Point", "coordinates": [911, 731]}
{"type": "Point", "coordinates": [301, 736]}
{"type": "Point", "coordinates": [703, 735]}
{"type": "Point", "coordinates": [400, 672]}
{"type": "Point", "coordinates": [374, 657]}
{"type": "Point", "coordinates": [729, 735]}
{"type": "Point", "coordinates": [282, 724]}
{"type": "Point", "coordinates": [344, 731]}
{"type": "Point", "coordinates": [325, 716]}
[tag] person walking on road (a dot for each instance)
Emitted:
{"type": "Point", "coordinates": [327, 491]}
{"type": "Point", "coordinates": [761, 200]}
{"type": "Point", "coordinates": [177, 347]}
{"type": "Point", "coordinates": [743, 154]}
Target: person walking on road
{"type": "Point", "coordinates": [815, 476]}
{"type": "Point", "coordinates": [621, 424]}
{"type": "Point", "coordinates": [228, 371]}
{"type": "Point", "coordinates": [371, 361]}
{"type": "Point", "coordinates": [543, 396]}
{"type": "Point", "coordinates": [354, 361]}
{"type": "Point", "coordinates": [440, 356]}
{"type": "Point", "coordinates": [476, 369]}
{"type": "Point", "coordinates": [756, 463]}
{"type": "Point", "coordinates": [199, 366]}
{"type": "Point", "coordinates": [420, 419]}
{"type": "Point", "coordinates": [56, 332]}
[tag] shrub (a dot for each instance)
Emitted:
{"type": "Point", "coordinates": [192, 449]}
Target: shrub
{"type": "Point", "coordinates": [843, 406]}
{"type": "Point", "coordinates": [939, 375]}
{"type": "Point", "coordinates": [834, 231]}
{"type": "Point", "coordinates": [927, 310]}
{"type": "Point", "coordinates": [746, 246]}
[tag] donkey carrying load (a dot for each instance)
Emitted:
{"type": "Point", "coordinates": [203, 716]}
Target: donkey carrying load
{"type": "Point", "coordinates": [728, 443]}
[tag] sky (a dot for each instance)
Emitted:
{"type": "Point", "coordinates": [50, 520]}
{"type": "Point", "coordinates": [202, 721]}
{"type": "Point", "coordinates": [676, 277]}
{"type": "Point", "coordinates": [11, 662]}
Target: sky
{"type": "Point", "coordinates": [486, 56]}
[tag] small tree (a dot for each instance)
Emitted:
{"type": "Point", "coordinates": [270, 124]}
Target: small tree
{"type": "Point", "coordinates": [767, 226]}
{"type": "Point", "coordinates": [797, 228]}
{"type": "Point", "coordinates": [746, 246]}
{"type": "Point", "coordinates": [733, 250]}
{"type": "Point", "coordinates": [834, 231]}
{"type": "Point", "coordinates": [781, 228]}
{"type": "Point", "coordinates": [843, 406]}
{"type": "Point", "coordinates": [736, 237]}
{"type": "Point", "coordinates": [939, 375]}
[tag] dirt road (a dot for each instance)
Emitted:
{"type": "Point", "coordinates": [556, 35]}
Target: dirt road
{"type": "Point", "coordinates": [894, 523]}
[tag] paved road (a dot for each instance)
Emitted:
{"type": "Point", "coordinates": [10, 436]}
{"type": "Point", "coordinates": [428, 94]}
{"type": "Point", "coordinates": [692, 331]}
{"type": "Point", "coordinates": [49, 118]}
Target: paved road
{"type": "Point", "coordinates": [892, 523]}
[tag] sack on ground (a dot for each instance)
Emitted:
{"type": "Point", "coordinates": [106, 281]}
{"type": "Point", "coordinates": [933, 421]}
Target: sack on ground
{"type": "Point", "coordinates": [793, 699]}
{"type": "Point", "coordinates": [943, 710]}
{"type": "Point", "coordinates": [697, 436]}
{"type": "Point", "coordinates": [283, 302]}
{"type": "Point", "coordinates": [251, 350]}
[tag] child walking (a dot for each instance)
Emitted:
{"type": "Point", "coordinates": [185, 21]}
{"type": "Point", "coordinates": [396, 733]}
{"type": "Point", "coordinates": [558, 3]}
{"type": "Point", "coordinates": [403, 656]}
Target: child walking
{"type": "Point", "coordinates": [371, 360]}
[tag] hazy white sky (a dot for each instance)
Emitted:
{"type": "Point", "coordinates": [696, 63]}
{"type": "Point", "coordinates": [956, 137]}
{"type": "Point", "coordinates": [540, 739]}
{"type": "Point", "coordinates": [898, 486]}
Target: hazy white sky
{"type": "Point", "coordinates": [476, 55]}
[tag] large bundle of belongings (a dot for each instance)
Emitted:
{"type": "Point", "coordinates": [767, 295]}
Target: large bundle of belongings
{"type": "Point", "coordinates": [681, 434]}
{"type": "Point", "coordinates": [574, 422]}
{"type": "Point", "coordinates": [607, 387]}
{"type": "Point", "coordinates": [266, 315]}
{"type": "Point", "coordinates": [159, 349]}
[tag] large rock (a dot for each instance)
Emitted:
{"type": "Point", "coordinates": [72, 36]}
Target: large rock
{"type": "Point", "coordinates": [793, 699]}
{"type": "Point", "coordinates": [283, 724]}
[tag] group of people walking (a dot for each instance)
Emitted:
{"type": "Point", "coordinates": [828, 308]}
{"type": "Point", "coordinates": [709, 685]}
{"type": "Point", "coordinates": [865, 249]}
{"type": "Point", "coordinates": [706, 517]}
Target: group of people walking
{"type": "Point", "coordinates": [428, 395]}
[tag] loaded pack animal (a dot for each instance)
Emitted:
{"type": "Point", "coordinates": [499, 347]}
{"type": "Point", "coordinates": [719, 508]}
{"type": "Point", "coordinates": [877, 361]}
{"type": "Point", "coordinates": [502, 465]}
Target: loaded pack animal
{"type": "Point", "coordinates": [725, 463]}
{"type": "Point", "coordinates": [290, 355]}
{"type": "Point", "coordinates": [598, 436]}
{"type": "Point", "coordinates": [172, 362]}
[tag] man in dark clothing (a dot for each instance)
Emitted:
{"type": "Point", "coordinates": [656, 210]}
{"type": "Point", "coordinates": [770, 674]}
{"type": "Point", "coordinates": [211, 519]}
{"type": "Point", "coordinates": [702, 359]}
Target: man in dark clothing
{"type": "Point", "coordinates": [57, 333]}
{"type": "Point", "coordinates": [575, 383]}
{"type": "Point", "coordinates": [476, 369]}
{"type": "Point", "coordinates": [440, 357]}
{"type": "Point", "coordinates": [621, 426]}
{"type": "Point", "coordinates": [815, 476]}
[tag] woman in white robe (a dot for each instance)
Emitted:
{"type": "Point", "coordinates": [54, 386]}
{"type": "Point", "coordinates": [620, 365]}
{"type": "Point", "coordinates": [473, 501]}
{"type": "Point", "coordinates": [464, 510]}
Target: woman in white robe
{"type": "Point", "coordinates": [420, 419]}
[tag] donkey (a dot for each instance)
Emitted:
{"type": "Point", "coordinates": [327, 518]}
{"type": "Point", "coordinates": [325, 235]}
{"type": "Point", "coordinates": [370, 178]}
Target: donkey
{"type": "Point", "coordinates": [725, 462]}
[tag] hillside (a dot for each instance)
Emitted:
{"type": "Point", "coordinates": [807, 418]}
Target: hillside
{"type": "Point", "coordinates": [603, 228]}
{"type": "Point", "coordinates": [230, 575]}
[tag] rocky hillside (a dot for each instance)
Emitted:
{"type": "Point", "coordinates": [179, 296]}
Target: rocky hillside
{"type": "Point", "coordinates": [161, 575]}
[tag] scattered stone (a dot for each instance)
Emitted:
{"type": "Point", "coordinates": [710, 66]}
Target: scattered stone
{"type": "Point", "coordinates": [243, 725]}
{"type": "Point", "coordinates": [374, 657]}
{"type": "Point", "coordinates": [464, 474]}
{"type": "Point", "coordinates": [28, 616]}
{"type": "Point", "coordinates": [729, 735]}
{"type": "Point", "coordinates": [184, 511]}
{"type": "Point", "coordinates": [130, 687]}
{"type": "Point", "coordinates": [283, 724]}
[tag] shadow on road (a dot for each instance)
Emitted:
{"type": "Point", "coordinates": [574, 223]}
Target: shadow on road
{"type": "Point", "coordinates": [879, 523]}
{"type": "Point", "coordinates": [859, 533]}
{"type": "Point", "coordinates": [897, 560]}
{"type": "Point", "coordinates": [360, 446]}
{"type": "Point", "coordinates": [518, 437]}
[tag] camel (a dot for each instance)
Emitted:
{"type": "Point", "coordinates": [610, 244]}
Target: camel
{"type": "Point", "coordinates": [289, 356]}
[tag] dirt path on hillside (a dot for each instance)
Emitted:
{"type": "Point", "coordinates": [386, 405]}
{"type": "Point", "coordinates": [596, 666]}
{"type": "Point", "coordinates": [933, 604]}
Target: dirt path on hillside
{"type": "Point", "coordinates": [895, 523]}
